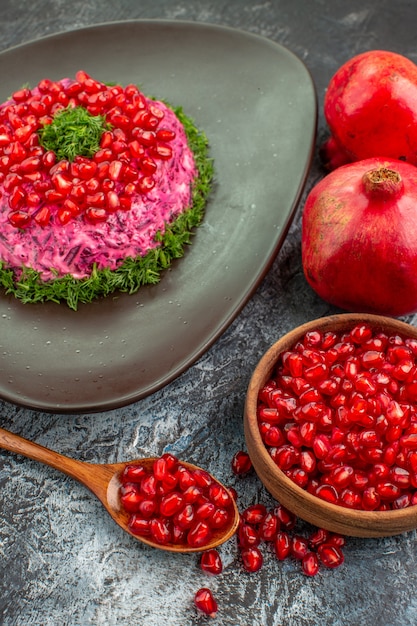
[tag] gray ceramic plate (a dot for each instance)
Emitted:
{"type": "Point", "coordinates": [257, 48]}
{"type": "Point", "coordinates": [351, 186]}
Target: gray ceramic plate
{"type": "Point", "coordinates": [257, 104]}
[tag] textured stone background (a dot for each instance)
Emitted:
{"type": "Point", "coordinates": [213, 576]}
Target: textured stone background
{"type": "Point", "coordinates": [63, 562]}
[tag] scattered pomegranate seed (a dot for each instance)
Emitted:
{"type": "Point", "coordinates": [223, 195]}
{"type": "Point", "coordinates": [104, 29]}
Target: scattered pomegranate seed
{"type": "Point", "coordinates": [211, 562]}
{"type": "Point", "coordinates": [310, 564]}
{"type": "Point", "coordinates": [205, 602]}
{"type": "Point", "coordinates": [252, 559]}
{"type": "Point", "coordinates": [241, 463]}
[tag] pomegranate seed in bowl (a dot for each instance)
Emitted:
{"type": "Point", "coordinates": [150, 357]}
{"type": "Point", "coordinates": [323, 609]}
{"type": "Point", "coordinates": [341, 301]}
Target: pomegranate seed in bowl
{"type": "Point", "coordinates": [340, 393]}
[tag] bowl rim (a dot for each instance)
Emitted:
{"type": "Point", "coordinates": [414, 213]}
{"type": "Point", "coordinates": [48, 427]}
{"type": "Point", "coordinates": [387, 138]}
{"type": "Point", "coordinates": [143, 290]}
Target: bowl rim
{"type": "Point", "coordinates": [356, 522]}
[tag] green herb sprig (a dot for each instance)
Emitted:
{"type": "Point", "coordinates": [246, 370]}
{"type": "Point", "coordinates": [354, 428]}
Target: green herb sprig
{"type": "Point", "coordinates": [73, 131]}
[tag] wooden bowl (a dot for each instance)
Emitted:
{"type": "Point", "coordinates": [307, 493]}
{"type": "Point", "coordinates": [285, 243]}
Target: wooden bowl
{"type": "Point", "coordinates": [333, 517]}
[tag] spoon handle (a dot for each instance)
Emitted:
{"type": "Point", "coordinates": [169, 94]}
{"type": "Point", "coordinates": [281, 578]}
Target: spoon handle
{"type": "Point", "coordinates": [14, 443]}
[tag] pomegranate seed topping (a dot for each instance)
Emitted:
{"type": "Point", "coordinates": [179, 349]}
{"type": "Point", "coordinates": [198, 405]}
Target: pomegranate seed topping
{"type": "Point", "coordinates": [20, 219]}
{"type": "Point", "coordinates": [43, 216]}
{"type": "Point", "coordinates": [205, 602]}
{"type": "Point", "coordinates": [211, 562]}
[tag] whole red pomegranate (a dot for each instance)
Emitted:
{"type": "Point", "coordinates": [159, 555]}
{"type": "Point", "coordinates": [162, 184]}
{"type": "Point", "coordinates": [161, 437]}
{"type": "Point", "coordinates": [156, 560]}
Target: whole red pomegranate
{"type": "Point", "coordinates": [371, 108]}
{"type": "Point", "coordinates": [359, 237]}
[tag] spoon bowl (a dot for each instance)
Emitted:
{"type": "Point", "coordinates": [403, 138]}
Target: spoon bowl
{"type": "Point", "coordinates": [104, 481]}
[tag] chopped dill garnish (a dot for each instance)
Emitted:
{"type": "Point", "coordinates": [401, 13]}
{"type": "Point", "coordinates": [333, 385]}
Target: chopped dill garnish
{"type": "Point", "coordinates": [72, 132]}
{"type": "Point", "coordinates": [134, 272]}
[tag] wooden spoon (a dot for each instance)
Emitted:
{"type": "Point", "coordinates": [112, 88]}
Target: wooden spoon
{"type": "Point", "coordinates": [104, 481]}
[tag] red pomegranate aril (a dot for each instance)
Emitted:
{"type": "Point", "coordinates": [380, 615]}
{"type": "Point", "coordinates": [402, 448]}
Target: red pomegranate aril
{"type": "Point", "coordinates": [160, 530]}
{"type": "Point", "coordinates": [274, 436]}
{"type": "Point", "coordinates": [219, 495]}
{"type": "Point", "coordinates": [252, 559]}
{"type": "Point", "coordinates": [387, 490]}
{"type": "Point", "coordinates": [308, 461]}
{"type": "Point", "coordinates": [96, 214]}
{"type": "Point", "coordinates": [43, 216]}
{"type": "Point", "coordinates": [328, 493]}
{"type": "Point", "coordinates": [341, 476]}
{"type": "Point", "coordinates": [205, 510]}
{"type": "Point", "coordinates": [310, 564]}
{"type": "Point", "coordinates": [192, 494]}
{"type": "Point", "coordinates": [402, 501]}
{"type": "Point", "coordinates": [171, 504]}
{"type": "Point", "coordinates": [71, 206]}
{"type": "Point", "coordinates": [308, 431]}
{"type": "Point", "coordinates": [17, 197]}
{"type": "Point", "coordinates": [269, 527]}
{"type": "Point", "coordinates": [147, 507]}
{"type": "Point", "coordinates": [211, 563]}
{"type": "Point", "coordinates": [412, 460]}
{"type": "Point", "coordinates": [299, 547]}
{"type": "Point", "coordinates": [298, 476]}
{"type": "Point", "coordinates": [400, 477]}
{"type": "Point", "coordinates": [294, 436]}
{"type": "Point", "coordinates": [254, 514]}
{"type": "Point", "coordinates": [133, 474]}
{"type": "Point", "coordinates": [282, 545]}
{"type": "Point", "coordinates": [205, 602]}
{"type": "Point", "coordinates": [148, 485]}
{"type": "Point", "coordinates": [248, 535]}
{"type": "Point", "coordinates": [131, 499]}
{"type": "Point", "coordinates": [351, 499]}
{"type": "Point", "coordinates": [168, 484]}
{"type": "Point", "coordinates": [321, 446]}
{"type": "Point", "coordinates": [409, 441]}
{"type": "Point", "coordinates": [145, 184]}
{"type": "Point", "coordinates": [319, 536]}
{"type": "Point", "coordinates": [199, 535]}
{"type": "Point", "coordinates": [286, 456]}
{"type": "Point", "coordinates": [140, 526]}
{"type": "Point", "coordinates": [330, 555]}
{"type": "Point", "coordinates": [219, 518]}
{"type": "Point", "coordinates": [286, 518]}
{"type": "Point", "coordinates": [185, 518]}
{"type": "Point", "coordinates": [19, 219]}
{"type": "Point", "coordinates": [160, 469]}
{"type": "Point", "coordinates": [241, 463]}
